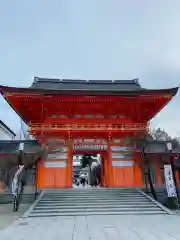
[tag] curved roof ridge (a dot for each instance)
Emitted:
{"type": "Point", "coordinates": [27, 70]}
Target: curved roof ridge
{"type": "Point", "coordinates": [78, 84]}
{"type": "Point", "coordinates": [64, 80]}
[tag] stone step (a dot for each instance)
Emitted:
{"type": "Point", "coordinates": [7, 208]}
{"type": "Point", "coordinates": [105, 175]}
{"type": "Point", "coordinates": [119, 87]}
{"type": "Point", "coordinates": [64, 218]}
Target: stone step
{"type": "Point", "coordinates": [89, 191]}
{"type": "Point", "coordinates": [91, 188]}
{"type": "Point", "coordinates": [109, 213]}
{"type": "Point", "coordinates": [70, 200]}
{"type": "Point", "coordinates": [65, 198]}
{"type": "Point", "coordinates": [93, 199]}
{"type": "Point", "coordinates": [100, 209]}
{"type": "Point", "coordinates": [93, 204]}
{"type": "Point", "coordinates": [95, 189]}
{"type": "Point", "coordinates": [95, 194]}
{"type": "Point", "coordinates": [39, 207]}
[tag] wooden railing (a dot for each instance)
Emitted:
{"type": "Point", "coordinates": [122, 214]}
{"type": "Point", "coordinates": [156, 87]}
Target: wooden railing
{"type": "Point", "coordinates": [97, 127]}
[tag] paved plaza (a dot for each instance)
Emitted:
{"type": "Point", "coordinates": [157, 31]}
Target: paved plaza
{"type": "Point", "coordinates": [95, 228]}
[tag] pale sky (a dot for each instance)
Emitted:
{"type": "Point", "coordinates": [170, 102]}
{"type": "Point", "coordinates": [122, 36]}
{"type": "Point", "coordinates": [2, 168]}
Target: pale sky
{"type": "Point", "coordinates": [92, 39]}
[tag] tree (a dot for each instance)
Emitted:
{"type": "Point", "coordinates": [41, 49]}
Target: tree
{"type": "Point", "coordinates": [159, 134]}
{"type": "Point", "coordinates": [142, 142]}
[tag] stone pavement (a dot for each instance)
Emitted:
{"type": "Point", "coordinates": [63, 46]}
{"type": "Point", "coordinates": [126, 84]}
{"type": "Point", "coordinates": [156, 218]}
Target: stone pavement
{"type": "Point", "coordinates": [7, 216]}
{"type": "Point", "coordinates": [155, 227]}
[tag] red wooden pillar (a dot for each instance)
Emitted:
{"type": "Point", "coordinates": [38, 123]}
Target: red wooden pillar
{"type": "Point", "coordinates": [105, 169]}
{"type": "Point", "coordinates": [69, 164]}
{"type": "Point", "coordinates": [40, 170]}
{"type": "Point", "coordinates": [110, 177]}
{"type": "Point", "coordinates": [177, 172]}
{"type": "Point", "coordinates": [137, 170]}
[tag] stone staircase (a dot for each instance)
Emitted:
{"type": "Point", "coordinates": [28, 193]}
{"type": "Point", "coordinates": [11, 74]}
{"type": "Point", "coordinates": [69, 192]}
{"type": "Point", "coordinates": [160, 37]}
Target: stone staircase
{"type": "Point", "coordinates": [94, 201]}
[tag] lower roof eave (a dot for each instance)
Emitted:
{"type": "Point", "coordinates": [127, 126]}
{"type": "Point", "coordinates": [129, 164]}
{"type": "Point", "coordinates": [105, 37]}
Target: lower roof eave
{"type": "Point", "coordinates": [85, 92]}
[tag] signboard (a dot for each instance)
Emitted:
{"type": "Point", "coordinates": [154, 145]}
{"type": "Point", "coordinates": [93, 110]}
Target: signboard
{"type": "Point", "coordinates": [122, 163]}
{"type": "Point", "coordinates": [90, 147]}
{"type": "Point", "coordinates": [91, 140]}
{"type": "Point", "coordinates": [171, 190]}
{"type": "Point", "coordinates": [55, 164]}
{"type": "Point", "coordinates": [21, 146]}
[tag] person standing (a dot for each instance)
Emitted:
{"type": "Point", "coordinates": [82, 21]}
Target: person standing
{"type": "Point", "coordinates": [83, 180]}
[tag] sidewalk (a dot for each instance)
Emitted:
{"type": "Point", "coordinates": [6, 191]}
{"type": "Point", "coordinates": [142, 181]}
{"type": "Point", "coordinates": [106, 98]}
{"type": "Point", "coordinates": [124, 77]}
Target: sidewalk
{"type": "Point", "coordinates": [7, 216]}
{"type": "Point", "coordinates": [154, 227]}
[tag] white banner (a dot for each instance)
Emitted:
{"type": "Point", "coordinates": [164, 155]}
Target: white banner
{"type": "Point", "coordinates": [21, 146]}
{"type": "Point", "coordinates": [171, 190]}
{"type": "Point", "coordinates": [118, 155]}
{"type": "Point", "coordinates": [61, 164]}
{"type": "Point", "coordinates": [122, 163]}
{"type": "Point", "coordinates": [57, 156]}
{"type": "Point", "coordinates": [120, 148]}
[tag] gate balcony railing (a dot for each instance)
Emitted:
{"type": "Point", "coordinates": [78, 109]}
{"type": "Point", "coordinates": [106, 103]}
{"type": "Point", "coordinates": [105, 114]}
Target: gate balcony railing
{"type": "Point", "coordinates": [104, 127]}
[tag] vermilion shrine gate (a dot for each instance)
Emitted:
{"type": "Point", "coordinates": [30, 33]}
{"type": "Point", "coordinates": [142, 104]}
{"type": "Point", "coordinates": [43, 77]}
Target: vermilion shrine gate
{"type": "Point", "coordinates": [77, 116]}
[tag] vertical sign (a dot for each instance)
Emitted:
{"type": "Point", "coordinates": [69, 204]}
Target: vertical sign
{"type": "Point", "coordinates": [21, 146]}
{"type": "Point", "coordinates": [171, 190]}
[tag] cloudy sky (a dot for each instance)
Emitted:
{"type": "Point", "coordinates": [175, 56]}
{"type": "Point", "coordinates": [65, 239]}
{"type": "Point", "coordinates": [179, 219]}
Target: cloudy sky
{"type": "Point", "coordinates": [92, 39]}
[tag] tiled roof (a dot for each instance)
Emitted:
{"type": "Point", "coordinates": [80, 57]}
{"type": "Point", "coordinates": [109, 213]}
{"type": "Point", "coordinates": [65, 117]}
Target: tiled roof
{"type": "Point", "coordinates": [47, 86]}
{"type": "Point", "coordinates": [155, 146]}
{"type": "Point", "coordinates": [7, 128]}
{"type": "Point", "coordinates": [30, 146]}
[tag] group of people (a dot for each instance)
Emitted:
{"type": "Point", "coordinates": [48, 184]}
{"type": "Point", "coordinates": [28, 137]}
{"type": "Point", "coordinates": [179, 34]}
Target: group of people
{"type": "Point", "coordinates": [80, 181]}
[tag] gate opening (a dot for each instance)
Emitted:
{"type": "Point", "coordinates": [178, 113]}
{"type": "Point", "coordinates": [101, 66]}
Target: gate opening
{"type": "Point", "coordinates": [87, 171]}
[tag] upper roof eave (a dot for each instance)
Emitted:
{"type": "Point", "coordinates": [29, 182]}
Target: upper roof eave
{"type": "Point", "coordinates": [168, 91]}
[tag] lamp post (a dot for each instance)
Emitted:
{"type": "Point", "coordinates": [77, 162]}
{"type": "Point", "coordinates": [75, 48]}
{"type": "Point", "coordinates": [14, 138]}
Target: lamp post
{"type": "Point", "coordinates": [169, 148]}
